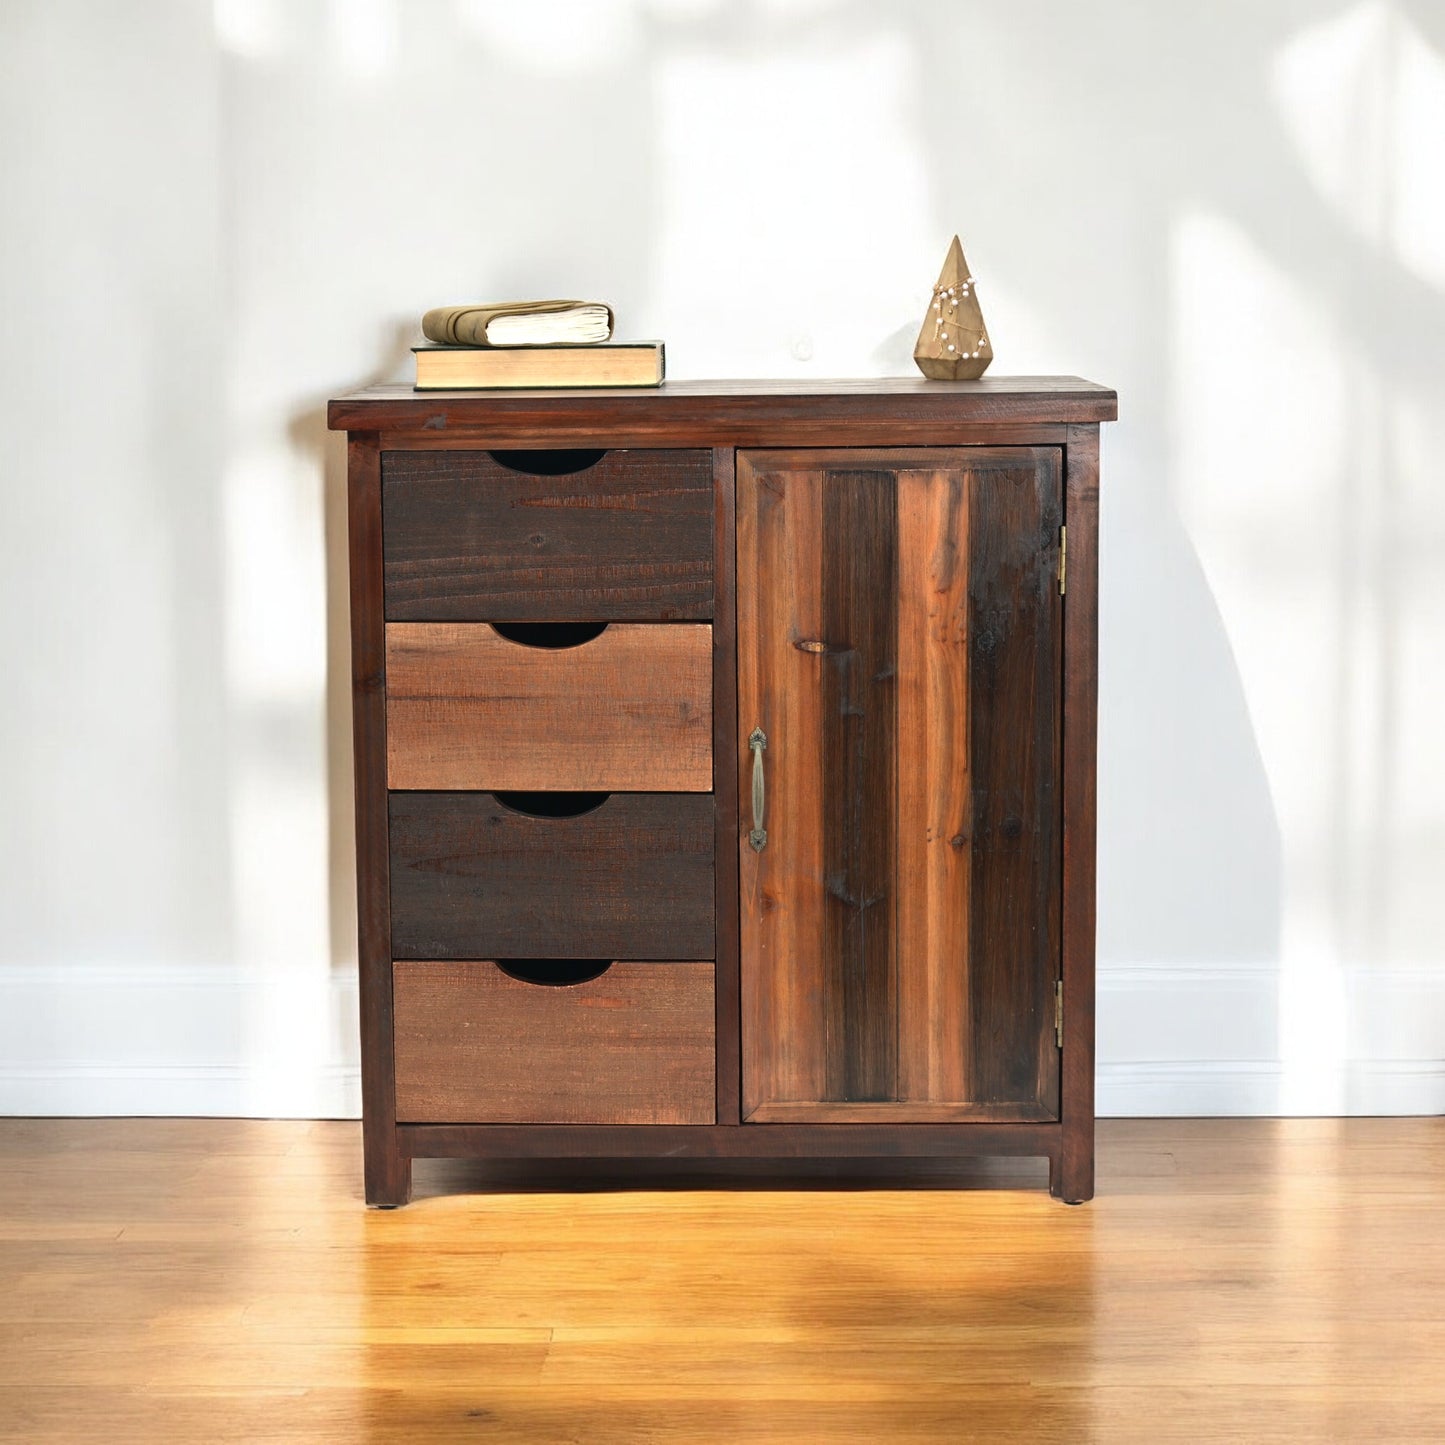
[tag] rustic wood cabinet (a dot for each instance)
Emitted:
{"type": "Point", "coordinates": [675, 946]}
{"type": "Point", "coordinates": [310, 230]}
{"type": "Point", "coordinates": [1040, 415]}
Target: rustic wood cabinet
{"type": "Point", "coordinates": [725, 771]}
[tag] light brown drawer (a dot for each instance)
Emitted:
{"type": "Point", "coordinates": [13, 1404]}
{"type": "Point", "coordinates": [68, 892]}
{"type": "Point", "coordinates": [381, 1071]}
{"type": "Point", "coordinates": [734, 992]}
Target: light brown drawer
{"type": "Point", "coordinates": [475, 1045]}
{"type": "Point", "coordinates": [628, 711]}
{"type": "Point", "coordinates": [623, 536]}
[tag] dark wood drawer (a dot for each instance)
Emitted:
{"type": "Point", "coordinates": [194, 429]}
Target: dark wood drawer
{"type": "Point", "coordinates": [474, 1044]}
{"type": "Point", "coordinates": [472, 877]}
{"type": "Point", "coordinates": [467, 707]}
{"type": "Point", "coordinates": [466, 538]}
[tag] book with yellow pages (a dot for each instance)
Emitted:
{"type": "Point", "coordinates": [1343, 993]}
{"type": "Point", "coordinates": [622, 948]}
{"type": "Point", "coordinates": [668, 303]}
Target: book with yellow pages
{"type": "Point", "coordinates": [467, 368]}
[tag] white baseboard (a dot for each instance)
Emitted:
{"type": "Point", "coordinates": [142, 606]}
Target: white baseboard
{"type": "Point", "coordinates": [1206, 1089]}
{"type": "Point", "coordinates": [1220, 1040]}
{"type": "Point", "coordinates": [92, 1039]}
{"type": "Point", "coordinates": [227, 1042]}
{"type": "Point", "coordinates": [178, 1090]}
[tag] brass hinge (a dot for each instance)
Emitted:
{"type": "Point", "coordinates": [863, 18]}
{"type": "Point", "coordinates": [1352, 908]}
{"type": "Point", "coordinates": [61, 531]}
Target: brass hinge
{"type": "Point", "coordinates": [1059, 1013]}
{"type": "Point", "coordinates": [1063, 559]}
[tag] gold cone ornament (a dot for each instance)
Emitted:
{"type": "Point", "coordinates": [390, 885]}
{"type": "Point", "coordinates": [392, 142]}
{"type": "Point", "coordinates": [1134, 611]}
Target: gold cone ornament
{"type": "Point", "coordinates": [953, 345]}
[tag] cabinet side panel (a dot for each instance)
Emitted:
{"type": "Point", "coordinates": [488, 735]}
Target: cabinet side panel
{"type": "Point", "coordinates": [1014, 637]}
{"type": "Point", "coordinates": [388, 1174]}
{"type": "Point", "coordinates": [1074, 1176]}
{"type": "Point", "coordinates": [784, 1025]}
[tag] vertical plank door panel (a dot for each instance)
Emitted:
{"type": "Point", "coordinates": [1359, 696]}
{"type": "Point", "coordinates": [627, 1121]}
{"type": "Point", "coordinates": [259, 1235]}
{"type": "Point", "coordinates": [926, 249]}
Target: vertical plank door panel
{"type": "Point", "coordinates": [1014, 662]}
{"type": "Point", "coordinates": [935, 796]}
{"type": "Point", "coordinates": [860, 591]}
{"type": "Point", "coordinates": [899, 642]}
{"type": "Point", "coordinates": [784, 1024]}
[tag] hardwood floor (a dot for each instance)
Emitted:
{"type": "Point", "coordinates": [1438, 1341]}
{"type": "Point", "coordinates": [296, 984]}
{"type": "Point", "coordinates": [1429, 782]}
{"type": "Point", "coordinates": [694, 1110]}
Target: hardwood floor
{"type": "Point", "coordinates": [220, 1281]}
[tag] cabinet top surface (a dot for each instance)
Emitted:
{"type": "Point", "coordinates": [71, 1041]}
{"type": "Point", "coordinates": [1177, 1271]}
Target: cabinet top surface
{"type": "Point", "coordinates": [732, 407]}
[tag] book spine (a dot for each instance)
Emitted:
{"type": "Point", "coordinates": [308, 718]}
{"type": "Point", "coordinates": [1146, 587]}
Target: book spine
{"type": "Point", "coordinates": [456, 325]}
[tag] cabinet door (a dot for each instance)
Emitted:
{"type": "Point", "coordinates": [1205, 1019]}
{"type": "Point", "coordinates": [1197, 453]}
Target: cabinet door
{"type": "Point", "coordinates": [899, 646]}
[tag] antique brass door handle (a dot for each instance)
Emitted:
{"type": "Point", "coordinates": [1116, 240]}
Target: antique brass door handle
{"type": "Point", "coordinates": [758, 742]}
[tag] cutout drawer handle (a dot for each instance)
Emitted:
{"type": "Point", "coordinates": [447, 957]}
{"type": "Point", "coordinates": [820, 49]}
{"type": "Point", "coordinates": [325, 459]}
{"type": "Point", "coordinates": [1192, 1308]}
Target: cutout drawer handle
{"type": "Point", "coordinates": [758, 742]}
{"type": "Point", "coordinates": [551, 805]}
{"type": "Point", "coordinates": [556, 463]}
{"type": "Point", "coordinates": [554, 972]}
{"type": "Point", "coordinates": [553, 635]}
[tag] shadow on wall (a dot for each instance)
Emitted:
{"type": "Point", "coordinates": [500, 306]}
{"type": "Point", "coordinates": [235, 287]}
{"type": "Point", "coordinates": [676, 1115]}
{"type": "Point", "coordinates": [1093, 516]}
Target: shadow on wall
{"type": "Point", "coordinates": [1139, 189]}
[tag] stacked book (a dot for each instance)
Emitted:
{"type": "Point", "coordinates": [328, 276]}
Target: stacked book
{"type": "Point", "coordinates": [530, 344]}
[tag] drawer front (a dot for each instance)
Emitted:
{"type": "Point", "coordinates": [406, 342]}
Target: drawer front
{"type": "Point", "coordinates": [474, 878]}
{"type": "Point", "coordinates": [467, 539]}
{"type": "Point", "coordinates": [629, 710]}
{"type": "Point", "coordinates": [475, 1045]}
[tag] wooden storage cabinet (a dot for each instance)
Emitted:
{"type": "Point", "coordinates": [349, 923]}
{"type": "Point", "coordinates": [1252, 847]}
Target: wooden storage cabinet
{"type": "Point", "coordinates": [725, 771]}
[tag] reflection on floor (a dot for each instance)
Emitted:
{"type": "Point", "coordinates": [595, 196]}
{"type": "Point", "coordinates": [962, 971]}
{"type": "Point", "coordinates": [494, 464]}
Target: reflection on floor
{"type": "Point", "coordinates": [218, 1281]}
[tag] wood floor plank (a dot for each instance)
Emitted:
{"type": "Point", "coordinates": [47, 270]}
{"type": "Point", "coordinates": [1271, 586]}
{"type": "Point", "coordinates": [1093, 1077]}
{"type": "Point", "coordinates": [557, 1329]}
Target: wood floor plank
{"type": "Point", "coordinates": [220, 1281]}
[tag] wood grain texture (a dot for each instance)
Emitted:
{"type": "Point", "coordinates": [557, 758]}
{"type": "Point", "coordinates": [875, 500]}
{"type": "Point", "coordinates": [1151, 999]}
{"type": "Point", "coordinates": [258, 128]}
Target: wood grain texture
{"type": "Point", "coordinates": [629, 710]}
{"type": "Point", "coordinates": [877, 1138]}
{"type": "Point", "coordinates": [214, 1282]}
{"type": "Point", "coordinates": [565, 428]}
{"type": "Point", "coordinates": [388, 1172]}
{"type": "Point", "coordinates": [779, 607]}
{"type": "Point", "coordinates": [857, 747]}
{"type": "Point", "coordinates": [471, 878]}
{"type": "Point", "coordinates": [829, 1113]}
{"type": "Point", "coordinates": [953, 342]}
{"type": "Point", "coordinates": [471, 540]}
{"type": "Point", "coordinates": [731, 413]}
{"type": "Point", "coordinates": [436, 435]}
{"type": "Point", "coordinates": [935, 792]}
{"type": "Point", "coordinates": [1015, 511]}
{"type": "Point", "coordinates": [633, 1046]}
{"type": "Point", "coordinates": [725, 798]}
{"type": "Point", "coordinates": [887, 968]}
{"type": "Point", "coordinates": [1072, 1178]}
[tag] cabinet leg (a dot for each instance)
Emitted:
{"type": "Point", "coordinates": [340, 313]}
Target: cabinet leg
{"type": "Point", "coordinates": [388, 1174]}
{"type": "Point", "coordinates": [1071, 1175]}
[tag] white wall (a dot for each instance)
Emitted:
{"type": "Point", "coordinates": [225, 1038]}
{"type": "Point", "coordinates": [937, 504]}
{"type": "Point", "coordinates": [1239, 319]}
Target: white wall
{"type": "Point", "coordinates": [213, 218]}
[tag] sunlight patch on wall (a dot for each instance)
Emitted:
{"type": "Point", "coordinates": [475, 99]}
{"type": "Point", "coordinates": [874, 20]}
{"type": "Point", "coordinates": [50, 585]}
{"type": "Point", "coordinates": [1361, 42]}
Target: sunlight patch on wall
{"type": "Point", "coordinates": [1412, 765]}
{"type": "Point", "coordinates": [275, 674]}
{"type": "Point", "coordinates": [554, 37]}
{"type": "Point", "coordinates": [813, 262]}
{"type": "Point", "coordinates": [1362, 96]}
{"type": "Point", "coordinates": [253, 29]}
{"type": "Point", "coordinates": [1260, 409]}
{"type": "Point", "coordinates": [363, 36]}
